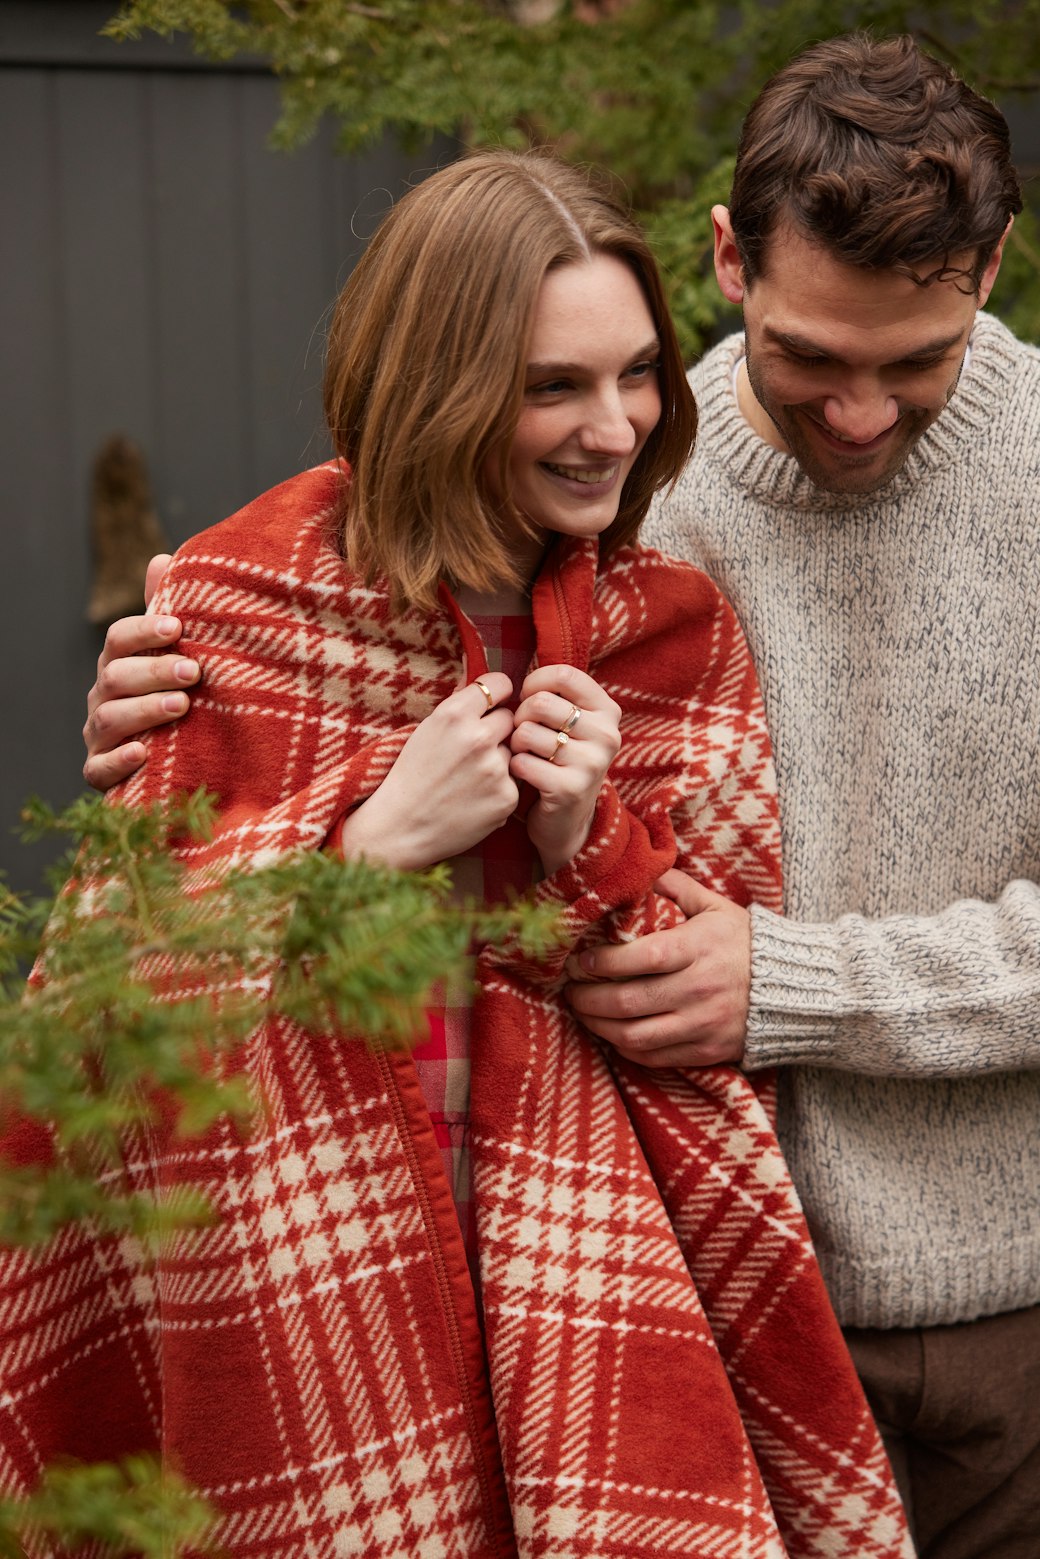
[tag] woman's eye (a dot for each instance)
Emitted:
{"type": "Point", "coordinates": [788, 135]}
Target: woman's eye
{"type": "Point", "coordinates": [550, 387]}
{"type": "Point", "coordinates": [644, 370]}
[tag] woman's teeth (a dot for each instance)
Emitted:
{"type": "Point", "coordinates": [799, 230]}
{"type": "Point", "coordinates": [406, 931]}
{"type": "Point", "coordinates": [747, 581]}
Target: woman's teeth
{"type": "Point", "coordinates": [576, 474]}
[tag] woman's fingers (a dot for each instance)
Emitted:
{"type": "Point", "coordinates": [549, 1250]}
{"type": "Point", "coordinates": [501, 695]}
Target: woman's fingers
{"type": "Point", "coordinates": [494, 687]}
{"type": "Point", "coordinates": [551, 692]}
{"type": "Point", "coordinates": [449, 787]}
{"type": "Point", "coordinates": [566, 736]}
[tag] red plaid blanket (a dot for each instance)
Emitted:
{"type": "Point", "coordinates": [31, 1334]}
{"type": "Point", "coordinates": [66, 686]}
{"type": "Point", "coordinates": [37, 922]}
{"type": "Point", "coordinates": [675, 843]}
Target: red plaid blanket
{"type": "Point", "coordinates": [663, 1374]}
{"type": "Point", "coordinates": [503, 863]}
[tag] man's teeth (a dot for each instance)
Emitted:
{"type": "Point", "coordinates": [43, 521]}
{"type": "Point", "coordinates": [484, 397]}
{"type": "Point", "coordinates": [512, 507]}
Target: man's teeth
{"type": "Point", "coordinates": [575, 474]}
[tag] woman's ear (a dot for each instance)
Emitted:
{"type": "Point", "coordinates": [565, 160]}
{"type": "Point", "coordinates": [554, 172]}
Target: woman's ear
{"type": "Point", "coordinates": [728, 269]}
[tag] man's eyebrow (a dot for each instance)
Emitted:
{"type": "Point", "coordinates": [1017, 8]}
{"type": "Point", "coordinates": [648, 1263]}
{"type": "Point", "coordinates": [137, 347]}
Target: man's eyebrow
{"type": "Point", "coordinates": [647, 350]}
{"type": "Point", "coordinates": [799, 343]}
{"type": "Point", "coordinates": [934, 348]}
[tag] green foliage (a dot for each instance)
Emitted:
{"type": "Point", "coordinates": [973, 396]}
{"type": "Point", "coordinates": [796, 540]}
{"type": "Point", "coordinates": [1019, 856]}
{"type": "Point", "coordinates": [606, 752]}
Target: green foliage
{"type": "Point", "coordinates": [145, 990]}
{"type": "Point", "coordinates": [145, 984]}
{"type": "Point", "coordinates": [654, 89]}
{"type": "Point", "coordinates": [134, 1508]}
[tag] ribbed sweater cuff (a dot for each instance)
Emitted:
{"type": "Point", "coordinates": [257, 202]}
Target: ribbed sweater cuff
{"type": "Point", "coordinates": [921, 1286]}
{"type": "Point", "coordinates": [798, 994]}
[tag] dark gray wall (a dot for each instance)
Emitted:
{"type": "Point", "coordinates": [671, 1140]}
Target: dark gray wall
{"type": "Point", "coordinates": [165, 275]}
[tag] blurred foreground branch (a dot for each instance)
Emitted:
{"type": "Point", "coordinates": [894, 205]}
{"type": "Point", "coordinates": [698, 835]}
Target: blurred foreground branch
{"type": "Point", "coordinates": [142, 995]}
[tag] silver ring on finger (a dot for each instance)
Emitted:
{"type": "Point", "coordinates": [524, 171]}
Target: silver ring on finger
{"type": "Point", "coordinates": [571, 720]}
{"type": "Point", "coordinates": [561, 741]}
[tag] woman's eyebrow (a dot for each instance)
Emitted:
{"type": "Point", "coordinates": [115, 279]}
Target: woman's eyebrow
{"type": "Point", "coordinates": [647, 350]}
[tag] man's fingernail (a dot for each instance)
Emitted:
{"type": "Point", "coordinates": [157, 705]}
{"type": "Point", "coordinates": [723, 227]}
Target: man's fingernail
{"type": "Point", "coordinates": [186, 671]}
{"type": "Point", "coordinates": [166, 626]}
{"type": "Point", "coordinates": [175, 703]}
{"type": "Point", "coordinates": [587, 961]}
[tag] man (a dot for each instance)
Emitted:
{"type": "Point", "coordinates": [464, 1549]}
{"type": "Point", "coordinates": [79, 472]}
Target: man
{"type": "Point", "coordinates": [864, 490]}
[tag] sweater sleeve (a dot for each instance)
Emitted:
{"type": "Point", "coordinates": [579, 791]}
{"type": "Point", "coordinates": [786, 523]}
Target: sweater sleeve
{"type": "Point", "coordinates": [944, 995]}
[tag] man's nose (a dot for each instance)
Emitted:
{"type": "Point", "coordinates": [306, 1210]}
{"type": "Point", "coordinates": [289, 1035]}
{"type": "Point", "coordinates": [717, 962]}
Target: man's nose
{"type": "Point", "coordinates": [860, 414]}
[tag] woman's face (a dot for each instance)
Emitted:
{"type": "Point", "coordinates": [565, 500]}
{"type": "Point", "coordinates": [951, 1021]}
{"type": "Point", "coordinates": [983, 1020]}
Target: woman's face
{"type": "Point", "coordinates": [590, 403]}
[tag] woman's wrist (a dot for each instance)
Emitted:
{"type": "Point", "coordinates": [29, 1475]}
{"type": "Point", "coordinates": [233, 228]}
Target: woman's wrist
{"type": "Point", "coordinates": [367, 833]}
{"type": "Point", "coordinates": [559, 852]}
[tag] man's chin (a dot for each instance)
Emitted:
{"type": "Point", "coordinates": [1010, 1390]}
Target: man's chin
{"type": "Point", "coordinates": [852, 483]}
{"type": "Point", "coordinates": [851, 474]}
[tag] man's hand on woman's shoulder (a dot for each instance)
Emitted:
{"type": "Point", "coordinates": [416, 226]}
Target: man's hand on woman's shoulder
{"type": "Point", "coordinates": [135, 689]}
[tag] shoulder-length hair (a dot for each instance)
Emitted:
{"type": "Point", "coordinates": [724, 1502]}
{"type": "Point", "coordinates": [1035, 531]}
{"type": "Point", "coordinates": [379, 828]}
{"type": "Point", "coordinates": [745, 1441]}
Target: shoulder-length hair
{"type": "Point", "coordinates": [426, 360]}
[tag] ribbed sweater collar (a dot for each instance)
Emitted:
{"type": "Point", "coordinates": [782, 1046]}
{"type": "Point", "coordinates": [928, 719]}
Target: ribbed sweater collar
{"type": "Point", "coordinates": [769, 476]}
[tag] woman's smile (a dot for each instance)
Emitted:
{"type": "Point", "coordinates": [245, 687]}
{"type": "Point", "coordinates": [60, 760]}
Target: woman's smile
{"type": "Point", "coordinates": [597, 476]}
{"type": "Point", "coordinates": [591, 401]}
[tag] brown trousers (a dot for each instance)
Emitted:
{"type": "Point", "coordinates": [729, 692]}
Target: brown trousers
{"type": "Point", "coordinates": [959, 1411]}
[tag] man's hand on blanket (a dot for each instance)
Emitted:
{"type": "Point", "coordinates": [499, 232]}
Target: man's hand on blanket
{"type": "Point", "coordinates": [566, 737]}
{"type": "Point", "coordinates": [134, 690]}
{"type": "Point", "coordinates": [450, 786]}
{"type": "Point", "coordinates": [673, 998]}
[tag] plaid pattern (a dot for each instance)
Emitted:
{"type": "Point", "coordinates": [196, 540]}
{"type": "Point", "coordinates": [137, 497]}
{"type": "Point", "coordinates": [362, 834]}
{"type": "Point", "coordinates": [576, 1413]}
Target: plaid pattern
{"type": "Point", "coordinates": [503, 862]}
{"type": "Point", "coordinates": [663, 1374]}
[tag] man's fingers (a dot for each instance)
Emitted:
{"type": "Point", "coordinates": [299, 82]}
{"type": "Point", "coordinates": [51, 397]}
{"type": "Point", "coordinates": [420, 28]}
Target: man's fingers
{"type": "Point", "coordinates": [624, 1002]}
{"type": "Point", "coordinates": [664, 1041]}
{"type": "Point", "coordinates": [133, 676]}
{"type": "Point", "coordinates": [683, 1056]}
{"type": "Point", "coordinates": [131, 635]}
{"type": "Point", "coordinates": [107, 768]}
{"type": "Point", "coordinates": [690, 896]}
{"type": "Point", "coordinates": [116, 721]}
{"type": "Point", "coordinates": [641, 1037]}
{"type": "Point", "coordinates": [153, 575]}
{"type": "Point", "coordinates": [661, 952]}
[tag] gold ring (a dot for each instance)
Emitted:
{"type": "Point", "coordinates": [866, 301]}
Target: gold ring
{"type": "Point", "coordinates": [561, 741]}
{"type": "Point", "coordinates": [572, 719]}
{"type": "Point", "coordinates": [478, 682]}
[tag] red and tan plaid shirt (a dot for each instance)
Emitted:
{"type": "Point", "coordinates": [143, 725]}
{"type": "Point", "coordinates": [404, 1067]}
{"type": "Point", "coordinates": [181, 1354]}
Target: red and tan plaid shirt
{"type": "Point", "coordinates": [501, 863]}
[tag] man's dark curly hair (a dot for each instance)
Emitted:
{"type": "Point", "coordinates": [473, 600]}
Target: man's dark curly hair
{"type": "Point", "coordinates": [880, 154]}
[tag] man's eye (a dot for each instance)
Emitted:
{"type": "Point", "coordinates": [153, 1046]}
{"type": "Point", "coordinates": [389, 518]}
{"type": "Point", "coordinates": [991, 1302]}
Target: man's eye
{"type": "Point", "coordinates": [806, 361]}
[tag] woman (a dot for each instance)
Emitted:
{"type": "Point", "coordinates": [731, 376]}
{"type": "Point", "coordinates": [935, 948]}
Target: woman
{"type": "Point", "coordinates": [643, 1347]}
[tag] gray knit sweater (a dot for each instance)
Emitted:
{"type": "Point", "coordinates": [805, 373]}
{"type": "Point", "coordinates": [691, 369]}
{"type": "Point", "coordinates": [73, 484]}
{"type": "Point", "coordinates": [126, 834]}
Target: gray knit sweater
{"type": "Point", "coordinates": [897, 638]}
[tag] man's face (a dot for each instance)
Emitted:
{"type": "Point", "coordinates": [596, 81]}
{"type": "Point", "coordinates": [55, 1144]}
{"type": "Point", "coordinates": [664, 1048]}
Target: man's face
{"type": "Point", "coordinates": [846, 367]}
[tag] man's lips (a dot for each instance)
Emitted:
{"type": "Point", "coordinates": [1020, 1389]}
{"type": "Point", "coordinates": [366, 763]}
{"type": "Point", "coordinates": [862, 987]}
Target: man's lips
{"type": "Point", "coordinates": [849, 448]}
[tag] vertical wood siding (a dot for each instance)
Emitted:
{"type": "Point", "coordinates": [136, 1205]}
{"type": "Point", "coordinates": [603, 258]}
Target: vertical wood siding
{"type": "Point", "coordinates": [164, 275]}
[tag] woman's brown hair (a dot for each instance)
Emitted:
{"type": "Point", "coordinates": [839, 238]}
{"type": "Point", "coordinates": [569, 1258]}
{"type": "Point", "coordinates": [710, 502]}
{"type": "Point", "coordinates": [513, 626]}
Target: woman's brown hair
{"type": "Point", "coordinates": [426, 359]}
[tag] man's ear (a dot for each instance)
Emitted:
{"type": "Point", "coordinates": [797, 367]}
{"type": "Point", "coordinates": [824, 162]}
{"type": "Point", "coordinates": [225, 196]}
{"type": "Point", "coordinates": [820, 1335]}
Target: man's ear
{"type": "Point", "coordinates": [728, 269]}
{"type": "Point", "coordinates": [989, 275]}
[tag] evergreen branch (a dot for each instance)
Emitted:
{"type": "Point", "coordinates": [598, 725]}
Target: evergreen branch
{"type": "Point", "coordinates": [134, 1508]}
{"type": "Point", "coordinates": [143, 987]}
{"type": "Point", "coordinates": [653, 89]}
